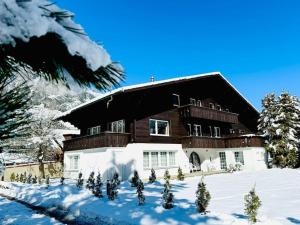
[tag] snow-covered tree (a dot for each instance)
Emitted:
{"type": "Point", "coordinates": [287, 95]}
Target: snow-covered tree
{"type": "Point", "coordinates": [168, 197]}
{"type": "Point", "coordinates": [115, 180]}
{"type": "Point", "coordinates": [79, 182]}
{"type": "Point", "coordinates": [97, 191]}
{"type": "Point", "coordinates": [202, 197]}
{"type": "Point", "coordinates": [139, 191]}
{"type": "Point", "coordinates": [90, 183]}
{"type": "Point", "coordinates": [279, 123]}
{"type": "Point", "coordinates": [111, 189]}
{"type": "Point", "coordinates": [135, 179]}
{"type": "Point", "coordinates": [180, 175]}
{"type": "Point", "coordinates": [152, 177]}
{"type": "Point", "coordinates": [252, 204]}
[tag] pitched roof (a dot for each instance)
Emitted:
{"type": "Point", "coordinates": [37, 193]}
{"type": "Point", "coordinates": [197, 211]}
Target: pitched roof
{"type": "Point", "coordinates": [154, 84]}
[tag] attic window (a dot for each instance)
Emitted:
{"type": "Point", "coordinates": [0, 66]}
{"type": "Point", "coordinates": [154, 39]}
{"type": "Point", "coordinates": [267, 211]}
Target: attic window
{"type": "Point", "coordinates": [211, 105]}
{"type": "Point", "coordinates": [218, 107]}
{"type": "Point", "coordinates": [176, 100]}
{"type": "Point", "coordinates": [199, 103]}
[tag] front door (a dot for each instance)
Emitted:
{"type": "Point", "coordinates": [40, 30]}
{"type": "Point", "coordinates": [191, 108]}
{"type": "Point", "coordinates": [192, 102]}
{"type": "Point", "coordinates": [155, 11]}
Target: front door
{"type": "Point", "coordinates": [195, 162]}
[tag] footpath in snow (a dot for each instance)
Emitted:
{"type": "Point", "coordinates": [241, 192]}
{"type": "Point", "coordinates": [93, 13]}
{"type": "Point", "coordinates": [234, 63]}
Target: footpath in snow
{"type": "Point", "coordinates": [278, 190]}
{"type": "Point", "coordinates": [17, 214]}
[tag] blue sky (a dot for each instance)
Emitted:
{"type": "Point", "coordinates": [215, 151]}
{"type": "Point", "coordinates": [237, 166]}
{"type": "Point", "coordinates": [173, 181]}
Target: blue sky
{"type": "Point", "coordinates": [255, 44]}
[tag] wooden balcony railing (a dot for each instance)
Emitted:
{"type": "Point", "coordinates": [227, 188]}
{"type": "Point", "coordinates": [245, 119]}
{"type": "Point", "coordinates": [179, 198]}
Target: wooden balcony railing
{"type": "Point", "coordinates": [223, 142]}
{"type": "Point", "coordinates": [208, 113]}
{"type": "Point", "coordinates": [97, 141]}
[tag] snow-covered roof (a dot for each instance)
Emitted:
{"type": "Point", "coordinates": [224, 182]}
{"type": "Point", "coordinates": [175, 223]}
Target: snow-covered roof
{"type": "Point", "coordinates": [22, 20]}
{"type": "Point", "coordinates": [152, 84]}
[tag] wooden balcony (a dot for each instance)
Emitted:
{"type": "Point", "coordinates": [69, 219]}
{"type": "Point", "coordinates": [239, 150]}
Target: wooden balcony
{"type": "Point", "coordinates": [97, 141]}
{"type": "Point", "coordinates": [223, 142]}
{"type": "Point", "coordinates": [208, 113]}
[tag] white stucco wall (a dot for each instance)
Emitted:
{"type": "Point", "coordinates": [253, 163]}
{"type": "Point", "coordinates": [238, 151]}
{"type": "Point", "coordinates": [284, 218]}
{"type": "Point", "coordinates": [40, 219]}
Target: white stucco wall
{"type": "Point", "coordinates": [254, 157]}
{"type": "Point", "coordinates": [123, 160]}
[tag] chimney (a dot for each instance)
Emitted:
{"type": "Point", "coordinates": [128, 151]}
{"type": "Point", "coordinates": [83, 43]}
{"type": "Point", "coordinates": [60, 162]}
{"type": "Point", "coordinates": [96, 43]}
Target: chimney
{"type": "Point", "coordinates": [152, 78]}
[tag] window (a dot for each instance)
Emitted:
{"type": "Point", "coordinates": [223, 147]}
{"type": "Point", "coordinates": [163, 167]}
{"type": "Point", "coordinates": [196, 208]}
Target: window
{"type": "Point", "coordinates": [218, 107]}
{"type": "Point", "coordinates": [176, 100]}
{"type": "Point", "coordinates": [192, 101]}
{"type": "Point", "coordinates": [94, 130]}
{"type": "Point", "coordinates": [197, 130]}
{"type": "Point", "coordinates": [163, 159]}
{"type": "Point", "coordinates": [189, 127]}
{"type": "Point", "coordinates": [231, 131]}
{"type": "Point", "coordinates": [159, 127]}
{"type": "Point", "coordinates": [239, 157]}
{"type": "Point", "coordinates": [199, 103]}
{"type": "Point", "coordinates": [146, 160]}
{"type": "Point", "coordinates": [154, 159]}
{"type": "Point", "coordinates": [74, 161]}
{"type": "Point", "coordinates": [217, 131]}
{"type": "Point", "coordinates": [227, 110]}
{"type": "Point", "coordinates": [117, 126]}
{"type": "Point", "coordinates": [171, 158]}
{"type": "Point", "coordinates": [210, 131]}
{"type": "Point", "coordinates": [242, 131]}
{"type": "Point", "coordinates": [223, 164]}
{"type": "Point", "coordinates": [159, 159]}
{"type": "Point", "coordinates": [211, 105]}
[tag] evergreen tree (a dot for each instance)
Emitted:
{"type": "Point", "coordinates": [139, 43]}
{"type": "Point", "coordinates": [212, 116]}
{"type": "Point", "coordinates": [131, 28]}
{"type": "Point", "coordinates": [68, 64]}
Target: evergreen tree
{"type": "Point", "coordinates": [62, 180]}
{"type": "Point", "coordinates": [202, 197]}
{"type": "Point", "coordinates": [17, 178]}
{"type": "Point", "coordinates": [168, 197]}
{"type": "Point", "coordinates": [12, 177]}
{"type": "Point", "coordinates": [29, 179]}
{"type": "Point", "coordinates": [79, 183]}
{"type": "Point", "coordinates": [111, 187]}
{"type": "Point", "coordinates": [252, 204]}
{"type": "Point", "coordinates": [152, 177]}
{"type": "Point", "coordinates": [135, 179]}
{"type": "Point", "coordinates": [90, 183]}
{"type": "Point", "coordinates": [279, 123]}
{"type": "Point", "coordinates": [115, 179]}
{"type": "Point", "coordinates": [97, 191]}
{"type": "Point", "coordinates": [139, 191]}
{"type": "Point", "coordinates": [24, 178]}
{"type": "Point", "coordinates": [180, 175]}
{"type": "Point", "coordinates": [21, 178]}
{"type": "Point", "coordinates": [40, 180]}
{"type": "Point", "coordinates": [167, 175]}
{"type": "Point", "coordinates": [34, 179]}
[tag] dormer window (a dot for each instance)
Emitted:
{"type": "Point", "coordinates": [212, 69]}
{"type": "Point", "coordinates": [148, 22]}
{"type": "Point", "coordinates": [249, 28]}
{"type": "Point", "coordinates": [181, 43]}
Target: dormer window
{"type": "Point", "coordinates": [192, 101]}
{"type": "Point", "coordinates": [176, 100]}
{"type": "Point", "coordinates": [211, 105]}
{"type": "Point", "coordinates": [199, 103]}
{"type": "Point", "coordinates": [218, 107]}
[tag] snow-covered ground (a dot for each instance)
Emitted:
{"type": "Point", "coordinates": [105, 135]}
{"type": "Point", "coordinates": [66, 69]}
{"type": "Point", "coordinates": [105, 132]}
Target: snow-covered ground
{"type": "Point", "coordinates": [17, 214]}
{"type": "Point", "coordinates": [278, 189]}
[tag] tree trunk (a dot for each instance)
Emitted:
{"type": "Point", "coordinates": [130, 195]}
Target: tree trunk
{"type": "Point", "coordinates": [40, 160]}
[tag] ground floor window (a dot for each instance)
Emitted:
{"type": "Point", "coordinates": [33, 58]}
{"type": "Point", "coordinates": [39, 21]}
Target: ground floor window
{"type": "Point", "coordinates": [239, 157]}
{"type": "Point", "coordinates": [160, 159]}
{"type": "Point", "coordinates": [74, 162]}
{"type": "Point", "coordinates": [223, 164]}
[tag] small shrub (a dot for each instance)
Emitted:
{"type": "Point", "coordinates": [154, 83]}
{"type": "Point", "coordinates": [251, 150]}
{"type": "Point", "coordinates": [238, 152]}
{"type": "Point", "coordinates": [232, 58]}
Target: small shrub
{"type": "Point", "coordinates": [152, 177]}
{"type": "Point", "coordinates": [12, 177]}
{"type": "Point", "coordinates": [252, 204]}
{"type": "Point", "coordinates": [97, 191]}
{"type": "Point", "coordinates": [167, 175]}
{"type": "Point", "coordinates": [139, 191]}
{"type": "Point", "coordinates": [180, 175]}
{"type": "Point", "coordinates": [90, 183]}
{"type": "Point", "coordinates": [79, 183]}
{"type": "Point", "coordinates": [135, 179]}
{"type": "Point", "coordinates": [168, 197]}
{"type": "Point", "coordinates": [62, 180]}
{"type": "Point", "coordinates": [202, 197]}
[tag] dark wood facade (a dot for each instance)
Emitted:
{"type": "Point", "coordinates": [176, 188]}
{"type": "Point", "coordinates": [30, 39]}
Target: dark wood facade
{"type": "Point", "coordinates": [136, 106]}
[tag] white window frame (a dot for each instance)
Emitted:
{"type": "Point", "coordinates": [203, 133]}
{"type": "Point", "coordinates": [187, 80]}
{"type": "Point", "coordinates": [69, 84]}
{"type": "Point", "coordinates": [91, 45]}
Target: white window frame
{"type": "Point", "coordinates": [199, 103]}
{"type": "Point", "coordinates": [189, 129]}
{"type": "Point", "coordinates": [159, 159]}
{"type": "Point", "coordinates": [72, 165]}
{"type": "Point", "coordinates": [217, 132]}
{"type": "Point", "coordinates": [178, 97]}
{"type": "Point", "coordinates": [192, 101]}
{"type": "Point", "coordinates": [239, 158]}
{"type": "Point", "coordinates": [156, 128]}
{"type": "Point", "coordinates": [211, 131]}
{"type": "Point", "coordinates": [223, 164]}
{"type": "Point", "coordinates": [211, 105]}
{"type": "Point", "coordinates": [218, 107]}
{"type": "Point", "coordinates": [196, 130]}
{"type": "Point", "coordinates": [94, 130]}
{"type": "Point", "coordinates": [117, 123]}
